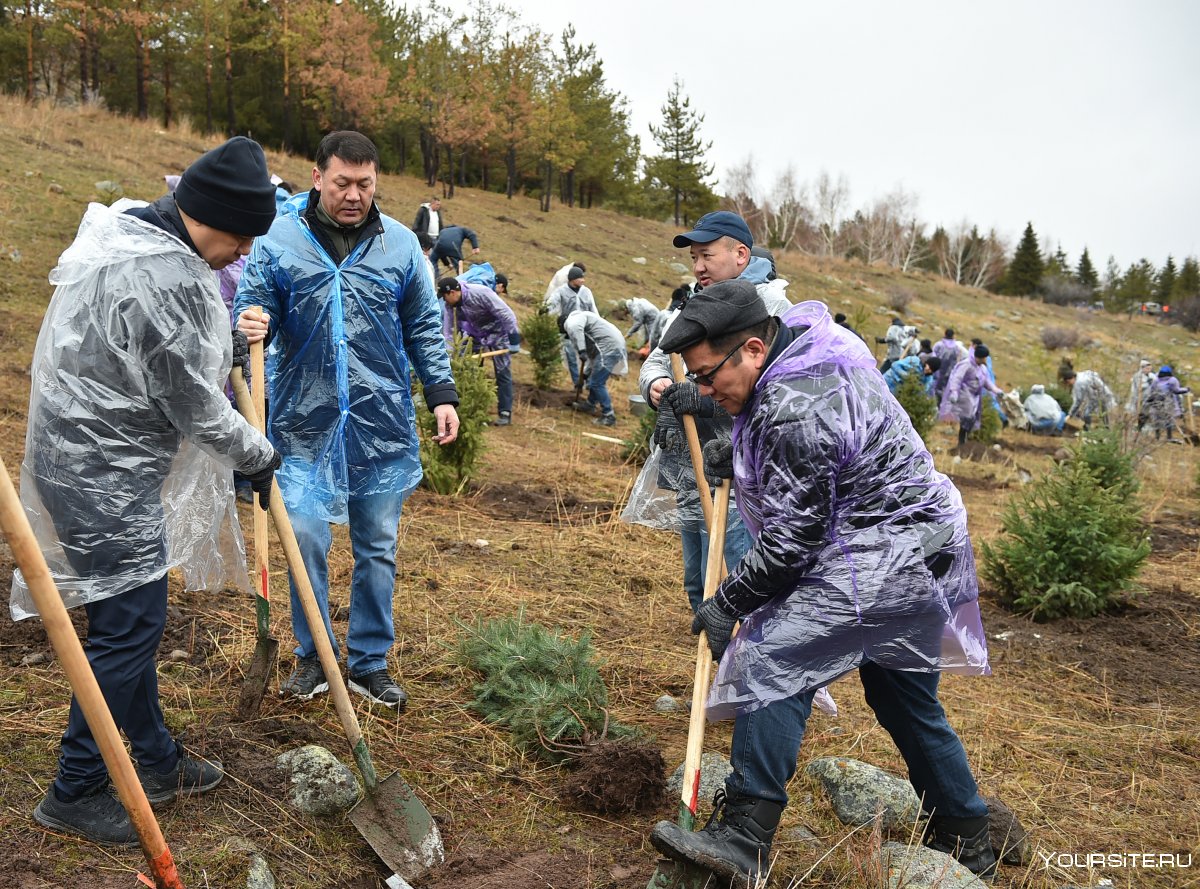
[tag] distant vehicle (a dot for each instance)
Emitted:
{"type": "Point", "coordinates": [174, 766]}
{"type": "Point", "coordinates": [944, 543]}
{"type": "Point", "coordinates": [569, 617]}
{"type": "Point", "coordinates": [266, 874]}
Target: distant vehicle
{"type": "Point", "coordinates": [1151, 309]}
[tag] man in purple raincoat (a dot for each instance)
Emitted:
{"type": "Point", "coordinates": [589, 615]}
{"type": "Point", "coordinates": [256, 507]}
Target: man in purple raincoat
{"type": "Point", "coordinates": [860, 561]}
{"type": "Point", "coordinates": [961, 401]}
{"type": "Point", "coordinates": [476, 311]}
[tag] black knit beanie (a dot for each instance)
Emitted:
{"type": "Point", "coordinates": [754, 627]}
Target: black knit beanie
{"type": "Point", "coordinates": [229, 189]}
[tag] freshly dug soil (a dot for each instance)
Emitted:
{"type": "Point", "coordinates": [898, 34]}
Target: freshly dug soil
{"type": "Point", "coordinates": [615, 777]}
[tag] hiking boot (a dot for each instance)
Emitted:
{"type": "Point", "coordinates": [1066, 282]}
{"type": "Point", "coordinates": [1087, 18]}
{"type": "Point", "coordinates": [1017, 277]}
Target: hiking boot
{"type": "Point", "coordinates": [190, 776]}
{"type": "Point", "coordinates": [583, 407]}
{"type": "Point", "coordinates": [505, 419]}
{"type": "Point", "coordinates": [307, 680]}
{"type": "Point", "coordinates": [735, 843]}
{"type": "Point", "coordinates": [968, 840]}
{"type": "Point", "coordinates": [97, 816]}
{"type": "Point", "coordinates": [380, 688]}
{"type": "Point", "coordinates": [606, 420]}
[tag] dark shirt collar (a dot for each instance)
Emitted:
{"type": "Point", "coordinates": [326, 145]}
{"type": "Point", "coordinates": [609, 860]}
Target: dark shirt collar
{"type": "Point", "coordinates": [164, 214]}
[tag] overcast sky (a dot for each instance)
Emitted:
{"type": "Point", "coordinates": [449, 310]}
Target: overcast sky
{"type": "Point", "coordinates": [1082, 117]}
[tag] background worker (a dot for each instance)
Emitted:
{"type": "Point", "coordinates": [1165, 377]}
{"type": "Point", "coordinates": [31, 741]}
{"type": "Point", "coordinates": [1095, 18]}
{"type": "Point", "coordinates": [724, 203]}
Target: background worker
{"type": "Point", "coordinates": [600, 343]}
{"type": "Point", "coordinates": [572, 296]}
{"type": "Point", "coordinates": [447, 247]}
{"type": "Point", "coordinates": [127, 417]}
{"type": "Point", "coordinates": [350, 314]}
{"type": "Point", "coordinates": [476, 311]}
{"type": "Point", "coordinates": [429, 219]}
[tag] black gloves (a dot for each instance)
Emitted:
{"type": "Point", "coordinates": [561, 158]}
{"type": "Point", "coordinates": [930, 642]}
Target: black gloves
{"type": "Point", "coordinates": [716, 624]}
{"type": "Point", "coordinates": [260, 481]}
{"type": "Point", "coordinates": [667, 433]}
{"type": "Point", "coordinates": [685, 398]}
{"type": "Point", "coordinates": [241, 353]}
{"type": "Point", "coordinates": [718, 461]}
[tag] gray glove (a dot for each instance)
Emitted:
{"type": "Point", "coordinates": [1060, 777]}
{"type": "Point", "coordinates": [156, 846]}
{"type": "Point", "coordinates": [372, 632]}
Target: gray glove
{"type": "Point", "coordinates": [241, 354]}
{"type": "Point", "coordinates": [685, 398]}
{"type": "Point", "coordinates": [718, 461]}
{"type": "Point", "coordinates": [716, 624]}
{"type": "Point", "coordinates": [260, 482]}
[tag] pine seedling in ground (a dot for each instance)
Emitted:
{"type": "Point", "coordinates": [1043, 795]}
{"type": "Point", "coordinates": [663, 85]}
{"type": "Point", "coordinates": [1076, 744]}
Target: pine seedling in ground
{"type": "Point", "coordinates": [1104, 453]}
{"type": "Point", "coordinates": [539, 333]}
{"type": "Point", "coordinates": [920, 407]}
{"type": "Point", "coordinates": [637, 446]}
{"type": "Point", "coordinates": [990, 424]}
{"type": "Point", "coordinates": [1070, 547]}
{"type": "Point", "coordinates": [448, 468]}
{"type": "Point", "coordinates": [542, 686]}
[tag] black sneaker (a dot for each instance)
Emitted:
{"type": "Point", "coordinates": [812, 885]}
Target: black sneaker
{"type": "Point", "coordinates": [605, 420]}
{"type": "Point", "coordinates": [97, 815]}
{"type": "Point", "coordinates": [190, 776]}
{"type": "Point", "coordinates": [505, 419]}
{"type": "Point", "coordinates": [380, 688]}
{"type": "Point", "coordinates": [307, 680]}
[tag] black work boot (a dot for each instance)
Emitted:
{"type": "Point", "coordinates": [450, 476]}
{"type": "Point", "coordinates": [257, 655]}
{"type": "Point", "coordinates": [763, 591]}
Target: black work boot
{"type": "Point", "coordinates": [735, 843]}
{"type": "Point", "coordinates": [968, 840]}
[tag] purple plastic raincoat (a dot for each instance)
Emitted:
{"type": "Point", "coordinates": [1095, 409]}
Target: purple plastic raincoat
{"type": "Point", "coordinates": [960, 401]}
{"type": "Point", "coordinates": [860, 546]}
{"type": "Point", "coordinates": [483, 316]}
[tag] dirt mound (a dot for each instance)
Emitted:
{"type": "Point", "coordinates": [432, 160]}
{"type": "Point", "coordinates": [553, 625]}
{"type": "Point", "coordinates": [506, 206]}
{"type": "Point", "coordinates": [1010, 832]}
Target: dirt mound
{"type": "Point", "coordinates": [615, 777]}
{"type": "Point", "coordinates": [493, 869]}
{"type": "Point", "coordinates": [538, 503]}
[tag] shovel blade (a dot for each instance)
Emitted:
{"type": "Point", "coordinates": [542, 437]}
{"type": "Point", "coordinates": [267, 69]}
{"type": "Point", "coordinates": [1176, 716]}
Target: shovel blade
{"type": "Point", "coordinates": [670, 874]}
{"type": "Point", "coordinates": [258, 676]}
{"type": "Point", "coordinates": [399, 828]}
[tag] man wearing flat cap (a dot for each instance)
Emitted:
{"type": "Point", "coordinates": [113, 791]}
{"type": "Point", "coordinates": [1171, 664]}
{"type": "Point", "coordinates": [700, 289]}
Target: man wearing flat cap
{"type": "Point", "coordinates": [129, 456]}
{"type": "Point", "coordinates": [720, 245]}
{"type": "Point", "coordinates": [860, 561]}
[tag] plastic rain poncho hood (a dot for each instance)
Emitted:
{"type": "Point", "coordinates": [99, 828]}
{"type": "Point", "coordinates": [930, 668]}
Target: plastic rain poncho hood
{"type": "Point", "coordinates": [338, 366]}
{"type": "Point", "coordinates": [860, 546]}
{"type": "Point", "coordinates": [1040, 407]}
{"type": "Point", "coordinates": [130, 441]}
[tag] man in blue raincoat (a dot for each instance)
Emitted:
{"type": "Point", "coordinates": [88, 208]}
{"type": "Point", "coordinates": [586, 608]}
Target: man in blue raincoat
{"type": "Point", "coordinates": [860, 561]}
{"type": "Point", "coordinates": [348, 310]}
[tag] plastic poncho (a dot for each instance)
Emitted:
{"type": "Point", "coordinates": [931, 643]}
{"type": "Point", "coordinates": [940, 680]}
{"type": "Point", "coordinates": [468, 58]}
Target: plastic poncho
{"type": "Point", "coordinates": [860, 549]}
{"type": "Point", "coordinates": [343, 339]}
{"type": "Point", "coordinates": [483, 316]}
{"type": "Point", "coordinates": [1090, 396]}
{"type": "Point", "coordinates": [1164, 403]}
{"type": "Point", "coordinates": [896, 337]}
{"type": "Point", "coordinates": [599, 340]}
{"type": "Point", "coordinates": [130, 441]}
{"type": "Point", "coordinates": [960, 401]}
{"type": "Point", "coordinates": [1041, 409]}
{"type": "Point", "coordinates": [644, 315]}
{"type": "Point", "coordinates": [567, 299]}
{"type": "Point", "coordinates": [900, 369]}
{"type": "Point", "coordinates": [1139, 390]}
{"type": "Point", "coordinates": [949, 351]}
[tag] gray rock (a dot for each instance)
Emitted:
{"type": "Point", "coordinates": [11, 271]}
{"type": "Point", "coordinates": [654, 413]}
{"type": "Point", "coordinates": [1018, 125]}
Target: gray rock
{"type": "Point", "coordinates": [258, 871]}
{"type": "Point", "coordinates": [640, 260]}
{"type": "Point", "coordinates": [714, 769]}
{"type": "Point", "coordinates": [859, 791]}
{"type": "Point", "coordinates": [35, 658]}
{"type": "Point", "coordinates": [988, 325]}
{"type": "Point", "coordinates": [666, 704]}
{"type": "Point", "coordinates": [1007, 834]}
{"type": "Point", "coordinates": [804, 837]}
{"type": "Point", "coordinates": [318, 782]}
{"type": "Point", "coordinates": [177, 656]}
{"type": "Point", "coordinates": [916, 867]}
{"type": "Point", "coordinates": [679, 268]}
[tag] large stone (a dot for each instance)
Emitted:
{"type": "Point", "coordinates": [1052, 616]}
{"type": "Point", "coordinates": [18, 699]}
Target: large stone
{"type": "Point", "coordinates": [318, 782]}
{"type": "Point", "coordinates": [258, 871]}
{"type": "Point", "coordinates": [916, 867]}
{"type": "Point", "coordinates": [714, 769]}
{"type": "Point", "coordinates": [679, 268]}
{"type": "Point", "coordinates": [859, 792]}
{"type": "Point", "coordinates": [666, 704]}
{"type": "Point", "coordinates": [1008, 837]}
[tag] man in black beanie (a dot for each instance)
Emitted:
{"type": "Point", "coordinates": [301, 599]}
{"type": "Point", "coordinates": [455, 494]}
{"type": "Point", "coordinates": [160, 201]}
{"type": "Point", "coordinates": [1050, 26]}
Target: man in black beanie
{"type": "Point", "coordinates": [129, 458]}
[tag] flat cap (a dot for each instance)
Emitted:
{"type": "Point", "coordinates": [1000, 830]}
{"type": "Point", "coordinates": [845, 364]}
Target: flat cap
{"type": "Point", "coordinates": [718, 309]}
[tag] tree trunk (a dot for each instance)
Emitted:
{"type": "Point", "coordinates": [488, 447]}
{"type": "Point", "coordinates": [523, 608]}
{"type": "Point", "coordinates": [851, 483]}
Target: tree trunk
{"type": "Point", "coordinates": [547, 186]}
{"type": "Point", "coordinates": [208, 86]}
{"type": "Point", "coordinates": [28, 50]}
{"type": "Point", "coordinates": [166, 92]}
{"type": "Point", "coordinates": [94, 40]}
{"type": "Point", "coordinates": [429, 156]}
{"type": "Point", "coordinates": [230, 117]}
{"type": "Point", "coordinates": [287, 84]}
{"type": "Point", "coordinates": [141, 65]}
{"type": "Point", "coordinates": [450, 168]}
{"type": "Point", "coordinates": [510, 171]}
{"type": "Point", "coordinates": [678, 196]}
{"type": "Point", "coordinates": [484, 162]}
{"type": "Point", "coordinates": [83, 54]}
{"type": "Point", "coordinates": [569, 188]}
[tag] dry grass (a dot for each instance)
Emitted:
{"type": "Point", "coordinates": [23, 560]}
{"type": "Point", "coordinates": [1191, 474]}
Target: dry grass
{"type": "Point", "coordinates": [1074, 745]}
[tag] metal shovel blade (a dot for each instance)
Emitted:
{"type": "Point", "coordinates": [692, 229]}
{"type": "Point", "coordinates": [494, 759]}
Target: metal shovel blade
{"type": "Point", "coordinates": [670, 874]}
{"type": "Point", "coordinates": [258, 676]}
{"type": "Point", "coordinates": [396, 824]}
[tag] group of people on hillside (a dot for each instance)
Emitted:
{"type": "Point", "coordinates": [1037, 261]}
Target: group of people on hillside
{"type": "Point", "coordinates": [846, 550]}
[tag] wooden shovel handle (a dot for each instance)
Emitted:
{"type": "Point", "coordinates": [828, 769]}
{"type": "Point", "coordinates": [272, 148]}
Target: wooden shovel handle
{"type": "Point", "coordinates": [258, 382]}
{"type": "Point", "coordinates": [29, 559]}
{"type": "Point", "coordinates": [312, 613]}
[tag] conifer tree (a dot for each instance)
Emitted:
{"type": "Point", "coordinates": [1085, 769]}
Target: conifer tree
{"type": "Point", "coordinates": [680, 169]}
{"type": "Point", "coordinates": [1085, 272]}
{"type": "Point", "coordinates": [1165, 283]}
{"type": "Point", "coordinates": [1025, 271]}
{"type": "Point", "coordinates": [1187, 285]}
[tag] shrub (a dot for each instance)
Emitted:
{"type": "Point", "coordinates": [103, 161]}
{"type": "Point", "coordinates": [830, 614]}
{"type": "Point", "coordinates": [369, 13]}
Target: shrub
{"type": "Point", "coordinates": [1069, 548]}
{"type": "Point", "coordinates": [990, 423]}
{"type": "Point", "coordinates": [539, 332]}
{"type": "Point", "coordinates": [540, 685]}
{"type": "Point", "coordinates": [1061, 338]}
{"type": "Point", "coordinates": [1104, 453]}
{"type": "Point", "coordinates": [1062, 395]}
{"type": "Point", "coordinates": [921, 408]}
{"type": "Point", "coordinates": [448, 468]}
{"type": "Point", "coordinates": [900, 298]}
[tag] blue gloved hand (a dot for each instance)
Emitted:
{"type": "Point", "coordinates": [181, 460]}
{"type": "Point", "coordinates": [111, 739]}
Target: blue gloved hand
{"type": "Point", "coordinates": [514, 342]}
{"type": "Point", "coordinates": [716, 624]}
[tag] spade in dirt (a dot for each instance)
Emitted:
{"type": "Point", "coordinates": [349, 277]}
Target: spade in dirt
{"type": "Point", "coordinates": [390, 817]}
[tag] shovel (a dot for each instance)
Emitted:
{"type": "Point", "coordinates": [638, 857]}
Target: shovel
{"type": "Point", "coordinates": [266, 648]}
{"type": "Point", "coordinates": [75, 664]}
{"type": "Point", "coordinates": [390, 817]}
{"type": "Point", "coordinates": [668, 873]}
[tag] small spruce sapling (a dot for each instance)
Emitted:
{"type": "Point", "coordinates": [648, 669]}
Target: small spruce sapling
{"type": "Point", "coordinates": [539, 332]}
{"type": "Point", "coordinates": [448, 468]}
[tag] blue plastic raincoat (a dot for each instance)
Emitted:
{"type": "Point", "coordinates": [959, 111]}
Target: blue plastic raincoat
{"type": "Point", "coordinates": [860, 546]}
{"type": "Point", "coordinates": [342, 338]}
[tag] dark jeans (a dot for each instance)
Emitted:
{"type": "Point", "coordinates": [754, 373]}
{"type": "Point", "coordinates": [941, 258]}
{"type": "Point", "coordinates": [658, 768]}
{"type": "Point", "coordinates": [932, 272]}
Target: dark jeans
{"type": "Point", "coordinates": [122, 644]}
{"type": "Point", "coordinates": [504, 383]}
{"type": "Point", "coordinates": [451, 258]}
{"type": "Point", "coordinates": [695, 553]}
{"type": "Point", "coordinates": [597, 382]}
{"type": "Point", "coordinates": [766, 742]}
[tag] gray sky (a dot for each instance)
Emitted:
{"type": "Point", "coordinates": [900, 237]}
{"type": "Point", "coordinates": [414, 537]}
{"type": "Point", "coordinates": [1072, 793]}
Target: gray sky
{"type": "Point", "coordinates": [1082, 117]}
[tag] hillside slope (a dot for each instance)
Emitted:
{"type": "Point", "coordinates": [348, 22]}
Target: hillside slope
{"type": "Point", "coordinates": [1087, 729]}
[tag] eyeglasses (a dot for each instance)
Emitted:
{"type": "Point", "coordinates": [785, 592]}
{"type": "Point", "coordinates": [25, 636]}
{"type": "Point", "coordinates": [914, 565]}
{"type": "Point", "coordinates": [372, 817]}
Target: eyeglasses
{"type": "Point", "coordinates": [706, 379]}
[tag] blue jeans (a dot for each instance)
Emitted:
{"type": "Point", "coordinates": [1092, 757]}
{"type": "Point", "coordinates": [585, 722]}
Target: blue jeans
{"type": "Point", "coordinates": [504, 384]}
{"type": "Point", "coordinates": [122, 644]}
{"type": "Point", "coordinates": [571, 359]}
{"type": "Point", "coordinates": [695, 553]}
{"type": "Point", "coordinates": [597, 381]}
{"type": "Point", "coordinates": [766, 742]}
{"type": "Point", "coordinates": [371, 634]}
{"type": "Point", "coordinates": [1045, 427]}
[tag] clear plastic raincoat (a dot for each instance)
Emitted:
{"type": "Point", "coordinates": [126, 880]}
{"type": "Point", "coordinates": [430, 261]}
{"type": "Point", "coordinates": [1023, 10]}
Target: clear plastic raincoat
{"type": "Point", "coordinates": [130, 439]}
{"type": "Point", "coordinates": [860, 546]}
{"type": "Point", "coordinates": [341, 342]}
